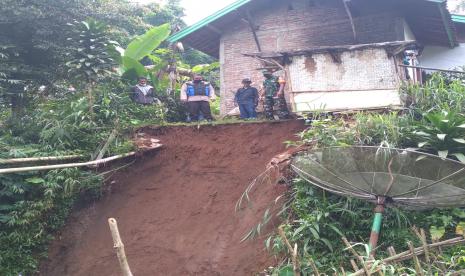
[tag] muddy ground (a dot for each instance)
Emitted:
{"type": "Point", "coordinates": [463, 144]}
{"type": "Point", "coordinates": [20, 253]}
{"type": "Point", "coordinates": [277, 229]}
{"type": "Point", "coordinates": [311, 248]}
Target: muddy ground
{"type": "Point", "coordinates": [175, 207]}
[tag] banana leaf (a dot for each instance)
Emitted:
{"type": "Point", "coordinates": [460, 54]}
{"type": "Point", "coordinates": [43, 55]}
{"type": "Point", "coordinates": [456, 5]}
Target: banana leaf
{"type": "Point", "coordinates": [144, 44]}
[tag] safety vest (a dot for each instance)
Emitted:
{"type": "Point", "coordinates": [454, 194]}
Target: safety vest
{"type": "Point", "coordinates": [199, 89]}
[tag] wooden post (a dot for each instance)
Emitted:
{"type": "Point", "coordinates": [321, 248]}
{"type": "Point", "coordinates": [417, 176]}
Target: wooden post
{"type": "Point", "coordinates": [254, 29]}
{"type": "Point", "coordinates": [351, 19]}
{"type": "Point", "coordinates": [391, 251]}
{"type": "Point", "coordinates": [354, 265]}
{"type": "Point", "coordinates": [110, 139]}
{"type": "Point", "coordinates": [119, 246]}
{"type": "Point", "coordinates": [418, 267]}
{"type": "Point", "coordinates": [356, 255]}
{"type": "Point", "coordinates": [292, 251]}
{"type": "Point", "coordinates": [422, 237]}
{"type": "Point", "coordinates": [312, 264]}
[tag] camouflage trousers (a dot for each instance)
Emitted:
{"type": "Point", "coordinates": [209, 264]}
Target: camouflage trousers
{"type": "Point", "coordinates": [280, 102]}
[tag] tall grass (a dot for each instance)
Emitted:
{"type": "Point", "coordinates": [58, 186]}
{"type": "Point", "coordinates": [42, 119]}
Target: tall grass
{"type": "Point", "coordinates": [437, 94]}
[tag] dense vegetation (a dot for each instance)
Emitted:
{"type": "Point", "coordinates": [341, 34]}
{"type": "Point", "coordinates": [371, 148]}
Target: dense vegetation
{"type": "Point", "coordinates": [434, 122]}
{"type": "Point", "coordinates": [65, 72]}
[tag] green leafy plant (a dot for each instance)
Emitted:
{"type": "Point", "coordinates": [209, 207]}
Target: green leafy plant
{"type": "Point", "coordinates": [33, 205]}
{"type": "Point", "coordinates": [326, 131]}
{"type": "Point", "coordinates": [437, 94]}
{"type": "Point", "coordinates": [317, 220]}
{"type": "Point", "coordinates": [91, 61]}
{"type": "Point", "coordinates": [388, 129]}
{"type": "Point", "coordinates": [442, 133]}
{"type": "Point", "coordinates": [139, 48]}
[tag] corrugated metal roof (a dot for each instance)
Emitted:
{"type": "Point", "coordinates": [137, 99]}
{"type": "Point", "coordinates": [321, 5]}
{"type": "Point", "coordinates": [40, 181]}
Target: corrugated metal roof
{"type": "Point", "coordinates": [204, 22]}
{"type": "Point", "coordinates": [205, 34]}
{"type": "Point", "coordinates": [457, 18]}
{"type": "Point", "coordinates": [448, 25]}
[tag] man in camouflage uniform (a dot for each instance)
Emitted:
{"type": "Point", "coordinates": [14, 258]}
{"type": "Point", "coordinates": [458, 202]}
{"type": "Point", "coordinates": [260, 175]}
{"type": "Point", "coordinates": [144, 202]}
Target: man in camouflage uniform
{"type": "Point", "coordinates": [274, 94]}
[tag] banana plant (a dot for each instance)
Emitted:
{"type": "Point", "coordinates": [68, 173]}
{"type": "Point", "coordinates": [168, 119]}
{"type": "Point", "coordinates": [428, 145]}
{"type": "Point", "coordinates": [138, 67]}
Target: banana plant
{"type": "Point", "coordinates": [139, 48]}
{"type": "Point", "coordinates": [442, 133]}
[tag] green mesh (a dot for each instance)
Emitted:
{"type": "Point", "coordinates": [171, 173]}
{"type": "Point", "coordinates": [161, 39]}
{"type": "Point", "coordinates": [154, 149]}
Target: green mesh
{"type": "Point", "coordinates": [406, 178]}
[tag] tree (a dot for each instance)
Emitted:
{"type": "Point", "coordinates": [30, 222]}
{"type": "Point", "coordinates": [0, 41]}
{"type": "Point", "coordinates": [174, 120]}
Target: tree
{"type": "Point", "coordinates": [171, 13]}
{"type": "Point", "coordinates": [35, 30]}
{"type": "Point", "coordinates": [91, 61]}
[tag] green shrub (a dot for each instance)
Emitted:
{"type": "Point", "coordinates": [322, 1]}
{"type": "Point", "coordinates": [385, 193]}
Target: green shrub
{"type": "Point", "coordinates": [441, 133]}
{"type": "Point", "coordinates": [32, 207]}
{"type": "Point", "coordinates": [389, 129]}
{"type": "Point", "coordinates": [326, 132]}
{"type": "Point", "coordinates": [316, 220]}
{"type": "Point", "coordinates": [438, 94]}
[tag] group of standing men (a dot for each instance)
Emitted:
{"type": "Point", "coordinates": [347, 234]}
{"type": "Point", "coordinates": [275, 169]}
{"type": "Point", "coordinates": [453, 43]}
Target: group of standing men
{"type": "Point", "coordinates": [247, 98]}
{"type": "Point", "coordinates": [198, 93]}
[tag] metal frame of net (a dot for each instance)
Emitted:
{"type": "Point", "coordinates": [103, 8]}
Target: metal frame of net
{"type": "Point", "coordinates": [385, 176]}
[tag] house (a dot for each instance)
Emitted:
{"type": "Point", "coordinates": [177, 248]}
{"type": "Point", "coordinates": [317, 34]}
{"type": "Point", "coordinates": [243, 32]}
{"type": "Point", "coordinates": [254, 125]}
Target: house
{"type": "Point", "coordinates": [437, 56]}
{"type": "Point", "coordinates": [335, 54]}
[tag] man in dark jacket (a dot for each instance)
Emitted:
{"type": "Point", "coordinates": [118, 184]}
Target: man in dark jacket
{"type": "Point", "coordinates": [142, 93]}
{"type": "Point", "coordinates": [247, 99]}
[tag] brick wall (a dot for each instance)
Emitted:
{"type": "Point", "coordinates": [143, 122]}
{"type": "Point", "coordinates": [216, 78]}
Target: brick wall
{"type": "Point", "coordinates": [291, 25]}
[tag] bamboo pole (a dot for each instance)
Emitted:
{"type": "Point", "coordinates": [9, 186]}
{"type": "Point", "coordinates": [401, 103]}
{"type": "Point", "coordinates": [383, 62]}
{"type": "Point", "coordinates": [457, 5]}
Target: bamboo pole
{"type": "Point", "coordinates": [64, 166]}
{"type": "Point", "coordinates": [72, 165]}
{"type": "Point", "coordinates": [365, 269]}
{"type": "Point", "coordinates": [295, 261]}
{"type": "Point", "coordinates": [39, 159]}
{"type": "Point", "coordinates": [119, 246]}
{"type": "Point", "coordinates": [439, 252]}
{"type": "Point", "coordinates": [312, 264]}
{"type": "Point", "coordinates": [417, 251]}
{"type": "Point", "coordinates": [354, 265]}
{"type": "Point", "coordinates": [418, 267]}
{"type": "Point", "coordinates": [432, 69]}
{"type": "Point", "coordinates": [425, 247]}
{"type": "Point", "coordinates": [292, 251]}
{"type": "Point", "coordinates": [110, 139]}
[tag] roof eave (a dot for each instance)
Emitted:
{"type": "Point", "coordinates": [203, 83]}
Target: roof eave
{"type": "Point", "coordinates": [204, 22]}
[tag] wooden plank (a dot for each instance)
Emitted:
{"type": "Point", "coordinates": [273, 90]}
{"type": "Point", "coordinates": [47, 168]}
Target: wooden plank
{"type": "Point", "coordinates": [253, 28]}
{"type": "Point", "coordinates": [432, 69]}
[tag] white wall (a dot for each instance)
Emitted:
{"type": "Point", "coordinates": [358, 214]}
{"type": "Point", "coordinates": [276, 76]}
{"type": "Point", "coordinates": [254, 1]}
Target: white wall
{"type": "Point", "coordinates": [443, 57]}
{"type": "Point", "coordinates": [368, 69]}
{"type": "Point", "coordinates": [364, 79]}
{"type": "Point", "coordinates": [346, 100]}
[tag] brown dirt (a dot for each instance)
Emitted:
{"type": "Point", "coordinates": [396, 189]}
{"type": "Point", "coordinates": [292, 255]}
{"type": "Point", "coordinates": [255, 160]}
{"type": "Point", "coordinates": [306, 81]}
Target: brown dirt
{"type": "Point", "coordinates": [175, 208]}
